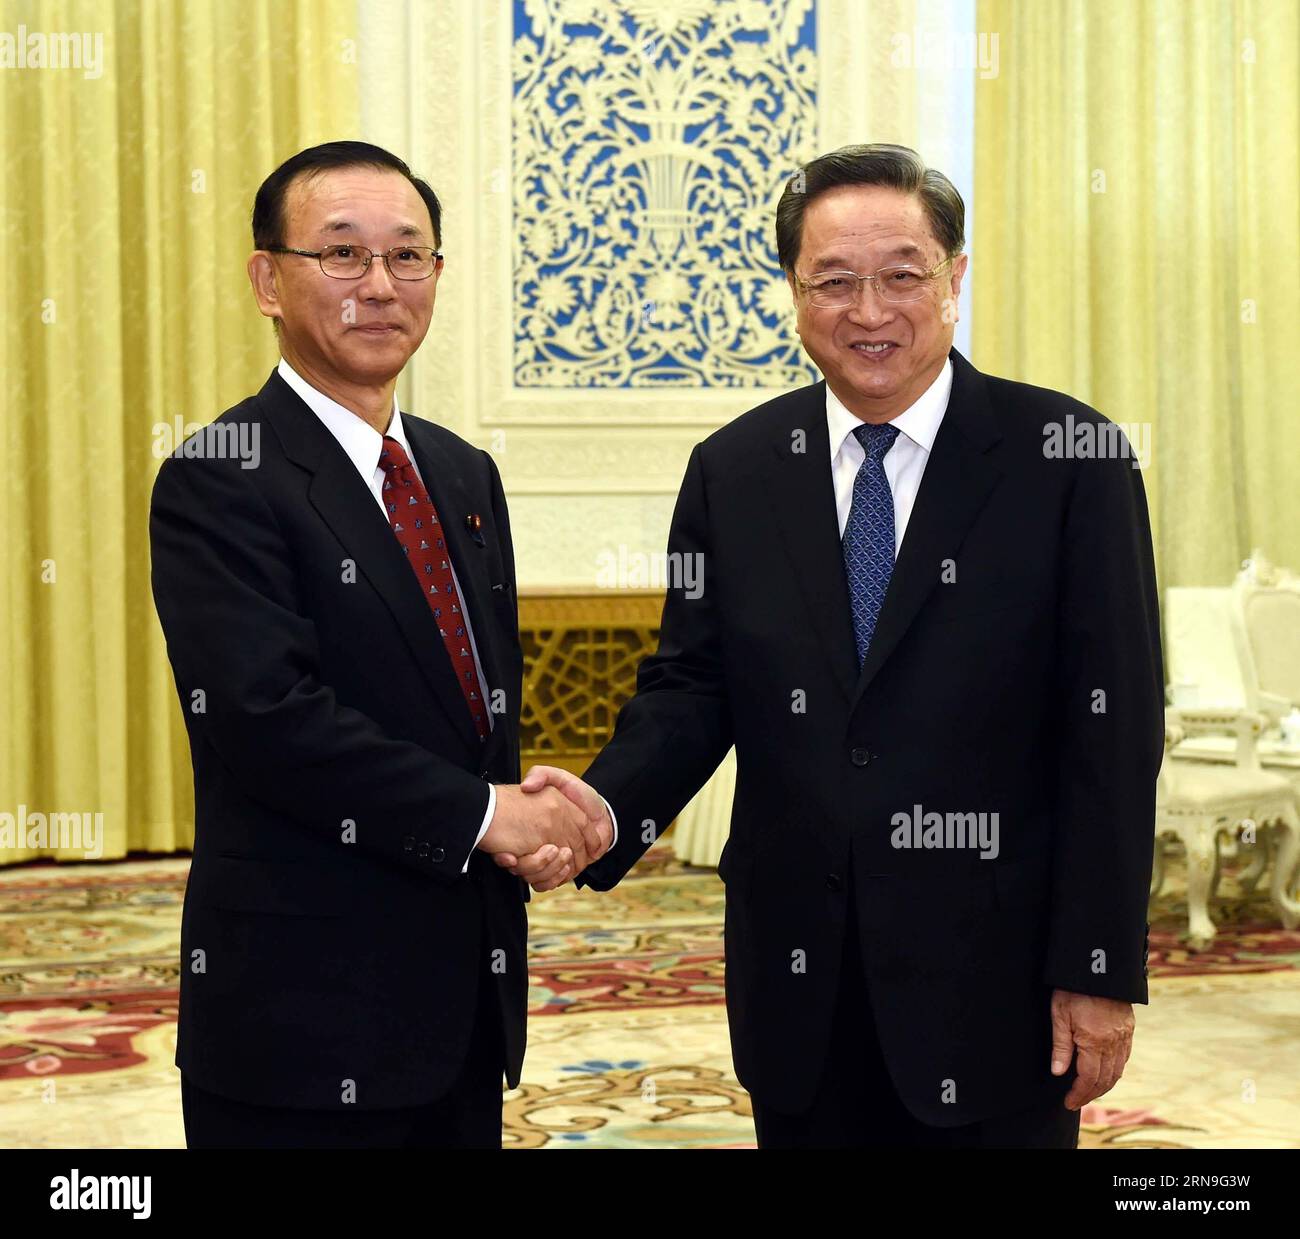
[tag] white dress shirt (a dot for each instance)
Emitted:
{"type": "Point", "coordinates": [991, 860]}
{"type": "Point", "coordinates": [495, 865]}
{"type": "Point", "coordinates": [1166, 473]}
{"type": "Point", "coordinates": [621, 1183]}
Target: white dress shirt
{"type": "Point", "coordinates": [363, 443]}
{"type": "Point", "coordinates": [904, 462]}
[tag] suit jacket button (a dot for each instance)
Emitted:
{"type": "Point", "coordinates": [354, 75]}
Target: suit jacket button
{"type": "Point", "coordinates": [408, 843]}
{"type": "Point", "coordinates": [859, 757]}
{"type": "Point", "coordinates": [423, 852]}
{"type": "Point", "coordinates": [833, 882]}
{"type": "Point", "coordinates": [438, 856]}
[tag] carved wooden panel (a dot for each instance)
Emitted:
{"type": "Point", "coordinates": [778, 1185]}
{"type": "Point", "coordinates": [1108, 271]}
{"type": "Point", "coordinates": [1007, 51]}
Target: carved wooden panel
{"type": "Point", "coordinates": [581, 652]}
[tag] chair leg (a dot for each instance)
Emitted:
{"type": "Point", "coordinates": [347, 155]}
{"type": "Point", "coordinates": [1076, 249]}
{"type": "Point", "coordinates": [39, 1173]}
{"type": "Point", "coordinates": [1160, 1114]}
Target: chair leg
{"type": "Point", "coordinates": [1158, 867]}
{"type": "Point", "coordinates": [1284, 869]}
{"type": "Point", "coordinates": [1252, 873]}
{"type": "Point", "coordinates": [1199, 842]}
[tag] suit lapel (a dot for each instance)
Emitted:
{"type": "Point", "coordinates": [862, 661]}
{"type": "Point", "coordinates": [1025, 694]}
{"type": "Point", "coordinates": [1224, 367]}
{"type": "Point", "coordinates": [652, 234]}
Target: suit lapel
{"type": "Point", "coordinates": [957, 481]}
{"type": "Point", "coordinates": [810, 537]}
{"type": "Point", "coordinates": [346, 504]}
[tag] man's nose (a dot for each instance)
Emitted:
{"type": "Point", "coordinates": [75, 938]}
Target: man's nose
{"type": "Point", "coordinates": [377, 284]}
{"type": "Point", "coordinates": [869, 308]}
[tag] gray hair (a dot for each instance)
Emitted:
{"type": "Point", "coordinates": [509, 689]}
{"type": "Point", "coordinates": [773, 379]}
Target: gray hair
{"type": "Point", "coordinates": [878, 163]}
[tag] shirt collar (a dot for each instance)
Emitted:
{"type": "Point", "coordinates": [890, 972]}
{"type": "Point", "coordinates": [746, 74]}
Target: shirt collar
{"type": "Point", "coordinates": [920, 422]}
{"type": "Point", "coordinates": [356, 436]}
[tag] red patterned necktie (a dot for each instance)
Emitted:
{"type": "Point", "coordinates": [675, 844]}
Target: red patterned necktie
{"type": "Point", "coordinates": [415, 522]}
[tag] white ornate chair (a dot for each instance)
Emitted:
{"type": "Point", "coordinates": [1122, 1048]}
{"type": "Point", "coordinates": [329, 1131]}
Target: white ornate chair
{"type": "Point", "coordinates": [1201, 658]}
{"type": "Point", "coordinates": [1198, 802]}
{"type": "Point", "coordinates": [1265, 616]}
{"type": "Point", "coordinates": [1255, 624]}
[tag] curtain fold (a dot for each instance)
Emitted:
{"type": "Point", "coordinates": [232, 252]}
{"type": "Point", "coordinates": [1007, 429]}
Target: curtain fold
{"type": "Point", "coordinates": [125, 208]}
{"type": "Point", "coordinates": [1138, 238]}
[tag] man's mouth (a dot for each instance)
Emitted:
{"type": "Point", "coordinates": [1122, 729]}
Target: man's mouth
{"type": "Point", "coordinates": [882, 349]}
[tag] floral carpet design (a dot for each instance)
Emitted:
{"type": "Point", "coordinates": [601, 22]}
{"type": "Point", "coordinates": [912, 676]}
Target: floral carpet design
{"type": "Point", "coordinates": [628, 1034]}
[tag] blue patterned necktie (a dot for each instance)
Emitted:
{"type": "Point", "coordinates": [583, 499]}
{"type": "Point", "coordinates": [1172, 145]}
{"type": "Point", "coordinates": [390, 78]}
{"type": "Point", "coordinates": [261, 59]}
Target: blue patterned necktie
{"type": "Point", "coordinates": [868, 542]}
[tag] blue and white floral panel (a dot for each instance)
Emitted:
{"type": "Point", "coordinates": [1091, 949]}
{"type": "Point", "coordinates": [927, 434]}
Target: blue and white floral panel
{"type": "Point", "coordinates": [650, 142]}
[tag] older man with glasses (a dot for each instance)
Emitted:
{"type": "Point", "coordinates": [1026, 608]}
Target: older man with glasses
{"type": "Point", "coordinates": [935, 647]}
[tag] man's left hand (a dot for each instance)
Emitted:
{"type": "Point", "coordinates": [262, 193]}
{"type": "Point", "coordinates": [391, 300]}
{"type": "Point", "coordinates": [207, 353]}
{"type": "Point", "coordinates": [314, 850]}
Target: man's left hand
{"type": "Point", "coordinates": [1101, 1029]}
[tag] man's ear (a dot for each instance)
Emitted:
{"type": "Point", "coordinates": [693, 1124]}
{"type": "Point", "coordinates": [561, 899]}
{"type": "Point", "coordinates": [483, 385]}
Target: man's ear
{"type": "Point", "coordinates": [794, 303]}
{"type": "Point", "coordinates": [952, 300]}
{"type": "Point", "coordinates": [959, 265]}
{"type": "Point", "coordinates": [261, 275]}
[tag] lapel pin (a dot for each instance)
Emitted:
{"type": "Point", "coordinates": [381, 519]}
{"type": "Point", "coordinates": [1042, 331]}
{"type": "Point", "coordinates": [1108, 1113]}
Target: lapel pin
{"type": "Point", "coordinates": [474, 523]}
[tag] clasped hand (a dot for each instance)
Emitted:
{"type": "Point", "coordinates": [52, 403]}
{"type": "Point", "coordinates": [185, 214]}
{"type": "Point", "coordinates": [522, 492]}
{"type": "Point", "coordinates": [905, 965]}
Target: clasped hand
{"type": "Point", "coordinates": [548, 828]}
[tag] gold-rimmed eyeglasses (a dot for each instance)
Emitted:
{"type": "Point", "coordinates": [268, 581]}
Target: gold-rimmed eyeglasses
{"type": "Point", "coordinates": [351, 262]}
{"type": "Point", "coordinates": [837, 289]}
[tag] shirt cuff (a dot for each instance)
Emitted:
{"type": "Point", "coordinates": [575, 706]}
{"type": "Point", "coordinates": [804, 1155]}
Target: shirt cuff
{"type": "Point", "coordinates": [487, 821]}
{"type": "Point", "coordinates": [613, 821]}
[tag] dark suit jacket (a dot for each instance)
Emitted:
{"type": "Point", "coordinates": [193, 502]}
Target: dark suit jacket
{"type": "Point", "coordinates": [980, 693]}
{"type": "Point", "coordinates": [328, 933]}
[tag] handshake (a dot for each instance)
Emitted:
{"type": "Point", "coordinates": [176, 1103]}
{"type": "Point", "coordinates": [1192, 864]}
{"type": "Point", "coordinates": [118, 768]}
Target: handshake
{"type": "Point", "coordinates": [549, 828]}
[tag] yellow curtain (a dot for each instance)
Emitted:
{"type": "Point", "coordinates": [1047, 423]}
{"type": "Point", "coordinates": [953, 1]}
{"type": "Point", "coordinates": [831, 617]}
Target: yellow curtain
{"type": "Point", "coordinates": [1137, 192]}
{"type": "Point", "coordinates": [125, 209]}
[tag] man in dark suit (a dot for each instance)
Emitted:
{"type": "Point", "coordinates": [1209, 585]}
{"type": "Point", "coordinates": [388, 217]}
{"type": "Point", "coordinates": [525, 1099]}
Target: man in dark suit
{"type": "Point", "coordinates": [340, 612]}
{"type": "Point", "coordinates": [933, 639]}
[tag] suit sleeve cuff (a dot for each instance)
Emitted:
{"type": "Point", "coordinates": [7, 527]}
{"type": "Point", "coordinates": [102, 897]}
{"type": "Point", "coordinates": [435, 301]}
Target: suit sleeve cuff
{"type": "Point", "coordinates": [613, 821]}
{"type": "Point", "coordinates": [487, 821]}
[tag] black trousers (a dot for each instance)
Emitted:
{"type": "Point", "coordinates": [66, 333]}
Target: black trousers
{"type": "Point", "coordinates": [857, 1106]}
{"type": "Point", "coordinates": [468, 1116]}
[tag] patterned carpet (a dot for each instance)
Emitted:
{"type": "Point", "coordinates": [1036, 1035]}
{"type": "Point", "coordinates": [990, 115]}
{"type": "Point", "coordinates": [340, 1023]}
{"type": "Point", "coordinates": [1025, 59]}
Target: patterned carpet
{"type": "Point", "coordinates": [628, 1037]}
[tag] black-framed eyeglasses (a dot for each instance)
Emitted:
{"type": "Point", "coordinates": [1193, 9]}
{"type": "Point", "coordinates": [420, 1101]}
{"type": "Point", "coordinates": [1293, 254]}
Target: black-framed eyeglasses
{"type": "Point", "coordinates": [837, 289]}
{"type": "Point", "coordinates": [351, 262]}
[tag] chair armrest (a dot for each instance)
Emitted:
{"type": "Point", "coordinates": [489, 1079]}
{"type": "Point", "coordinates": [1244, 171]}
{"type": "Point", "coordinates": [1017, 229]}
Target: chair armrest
{"type": "Point", "coordinates": [1246, 725]}
{"type": "Point", "coordinates": [1275, 708]}
{"type": "Point", "coordinates": [1215, 720]}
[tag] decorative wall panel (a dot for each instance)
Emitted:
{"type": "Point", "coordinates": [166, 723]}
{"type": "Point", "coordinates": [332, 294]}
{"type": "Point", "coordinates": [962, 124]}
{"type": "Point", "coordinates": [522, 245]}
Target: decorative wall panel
{"type": "Point", "coordinates": [649, 144]}
{"type": "Point", "coordinates": [581, 652]}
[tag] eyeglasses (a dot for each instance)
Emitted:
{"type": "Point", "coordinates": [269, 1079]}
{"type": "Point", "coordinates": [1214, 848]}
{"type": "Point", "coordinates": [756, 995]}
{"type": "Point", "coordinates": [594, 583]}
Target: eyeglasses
{"type": "Point", "coordinates": [351, 262]}
{"type": "Point", "coordinates": [837, 289]}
